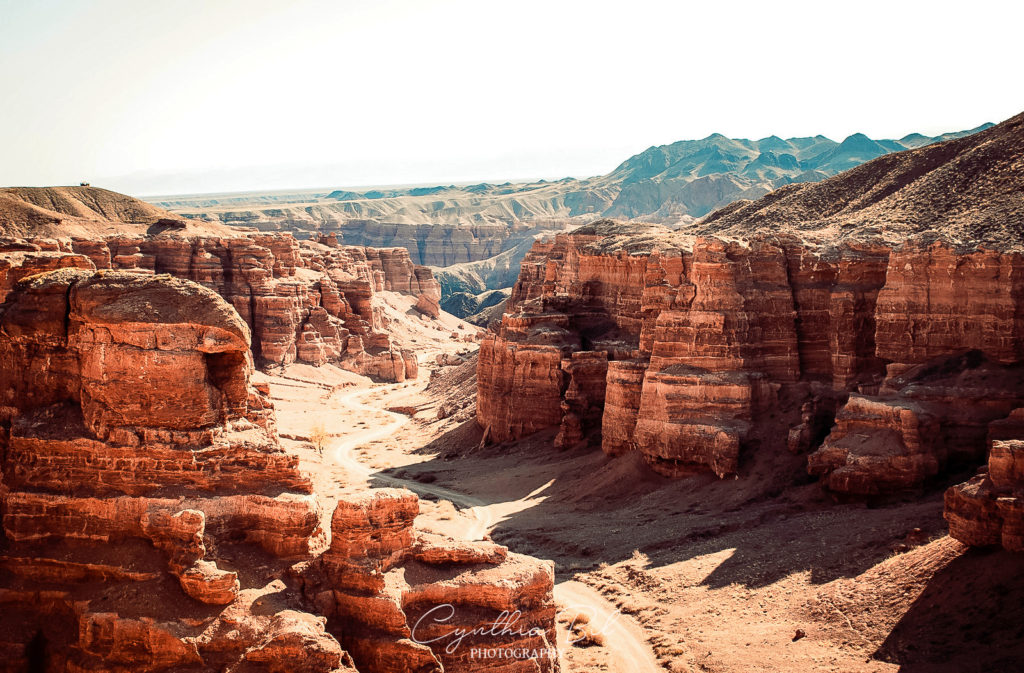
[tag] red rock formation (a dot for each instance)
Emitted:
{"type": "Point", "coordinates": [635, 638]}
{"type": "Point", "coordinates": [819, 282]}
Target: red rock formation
{"type": "Point", "coordinates": [152, 521]}
{"type": "Point", "coordinates": [857, 284]}
{"type": "Point", "coordinates": [702, 334]}
{"type": "Point", "coordinates": [712, 312]}
{"type": "Point", "coordinates": [520, 384]}
{"type": "Point", "coordinates": [937, 301]}
{"type": "Point", "coordinates": [583, 402]}
{"type": "Point", "coordinates": [303, 301]}
{"type": "Point", "coordinates": [400, 597]}
{"type": "Point", "coordinates": [129, 415]}
{"type": "Point", "coordinates": [623, 390]}
{"type": "Point", "coordinates": [934, 415]}
{"type": "Point", "coordinates": [989, 508]}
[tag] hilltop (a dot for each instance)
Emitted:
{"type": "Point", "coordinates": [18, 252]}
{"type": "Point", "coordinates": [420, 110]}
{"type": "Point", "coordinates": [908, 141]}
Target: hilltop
{"type": "Point", "coordinates": [88, 211]}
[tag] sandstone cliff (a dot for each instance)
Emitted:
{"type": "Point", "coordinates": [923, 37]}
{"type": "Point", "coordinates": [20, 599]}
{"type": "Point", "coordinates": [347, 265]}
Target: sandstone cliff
{"type": "Point", "coordinates": [303, 301]}
{"type": "Point", "coordinates": [693, 348]}
{"type": "Point", "coordinates": [128, 416]}
{"type": "Point", "coordinates": [152, 521]}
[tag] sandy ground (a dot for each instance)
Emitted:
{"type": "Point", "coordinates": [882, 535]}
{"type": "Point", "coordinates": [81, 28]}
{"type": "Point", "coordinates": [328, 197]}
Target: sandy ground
{"type": "Point", "coordinates": [761, 573]}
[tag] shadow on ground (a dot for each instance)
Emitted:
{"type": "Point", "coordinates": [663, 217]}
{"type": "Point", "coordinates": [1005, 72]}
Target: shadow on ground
{"type": "Point", "coordinates": [969, 619]}
{"type": "Point", "coordinates": [773, 519]}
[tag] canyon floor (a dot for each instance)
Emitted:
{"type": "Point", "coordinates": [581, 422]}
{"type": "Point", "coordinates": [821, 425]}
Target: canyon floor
{"type": "Point", "coordinates": [698, 574]}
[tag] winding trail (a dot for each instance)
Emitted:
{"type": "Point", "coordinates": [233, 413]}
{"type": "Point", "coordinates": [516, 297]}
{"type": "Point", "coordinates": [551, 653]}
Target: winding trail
{"type": "Point", "coordinates": [625, 638]}
{"type": "Point", "coordinates": [482, 519]}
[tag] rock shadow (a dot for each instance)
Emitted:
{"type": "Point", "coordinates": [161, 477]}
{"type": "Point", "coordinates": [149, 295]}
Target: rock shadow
{"type": "Point", "coordinates": [969, 619]}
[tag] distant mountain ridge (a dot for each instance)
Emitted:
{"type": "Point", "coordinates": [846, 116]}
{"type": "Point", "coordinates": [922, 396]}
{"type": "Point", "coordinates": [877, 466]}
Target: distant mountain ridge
{"type": "Point", "coordinates": [673, 183]}
{"type": "Point", "coordinates": [969, 191]}
{"type": "Point", "coordinates": [670, 184]}
{"type": "Point", "coordinates": [691, 178]}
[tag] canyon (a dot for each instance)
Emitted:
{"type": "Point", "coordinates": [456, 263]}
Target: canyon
{"type": "Point", "coordinates": [303, 301]}
{"type": "Point", "coordinates": [486, 229]}
{"type": "Point", "coordinates": [888, 356]}
{"type": "Point", "coordinates": [484, 338]}
{"type": "Point", "coordinates": [673, 183]}
{"type": "Point", "coordinates": [243, 450]}
{"type": "Point", "coordinates": [142, 458]}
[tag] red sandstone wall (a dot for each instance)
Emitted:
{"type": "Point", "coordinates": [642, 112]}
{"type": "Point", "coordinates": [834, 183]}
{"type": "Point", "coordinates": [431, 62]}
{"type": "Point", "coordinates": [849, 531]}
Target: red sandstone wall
{"type": "Point", "coordinates": [304, 302]}
{"type": "Point", "coordinates": [701, 335]}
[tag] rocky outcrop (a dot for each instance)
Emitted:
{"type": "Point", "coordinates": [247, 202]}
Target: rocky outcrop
{"type": "Point", "coordinates": [401, 599]}
{"type": "Point", "coordinates": [989, 508]}
{"type": "Point", "coordinates": [153, 522]}
{"type": "Point", "coordinates": [128, 414]}
{"type": "Point", "coordinates": [698, 335]}
{"type": "Point", "coordinates": [937, 301]}
{"type": "Point", "coordinates": [303, 302]}
{"type": "Point", "coordinates": [698, 338]}
{"type": "Point", "coordinates": [898, 344]}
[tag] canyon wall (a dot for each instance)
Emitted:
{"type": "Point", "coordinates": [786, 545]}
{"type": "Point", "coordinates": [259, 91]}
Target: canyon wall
{"type": "Point", "coordinates": [438, 244]}
{"type": "Point", "coordinates": [690, 350]}
{"type": "Point", "coordinates": [132, 433]}
{"type": "Point", "coordinates": [398, 595]}
{"type": "Point", "coordinates": [989, 508]}
{"type": "Point", "coordinates": [434, 244]}
{"type": "Point", "coordinates": [152, 522]}
{"type": "Point", "coordinates": [303, 301]}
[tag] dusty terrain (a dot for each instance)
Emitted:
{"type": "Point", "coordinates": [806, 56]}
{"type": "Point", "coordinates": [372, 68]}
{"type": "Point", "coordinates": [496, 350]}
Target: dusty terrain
{"type": "Point", "coordinates": [89, 212]}
{"type": "Point", "coordinates": [702, 575]}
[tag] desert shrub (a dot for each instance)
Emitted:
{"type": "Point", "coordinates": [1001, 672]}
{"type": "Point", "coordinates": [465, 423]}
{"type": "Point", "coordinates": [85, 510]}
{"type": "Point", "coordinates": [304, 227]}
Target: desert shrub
{"type": "Point", "coordinates": [318, 436]}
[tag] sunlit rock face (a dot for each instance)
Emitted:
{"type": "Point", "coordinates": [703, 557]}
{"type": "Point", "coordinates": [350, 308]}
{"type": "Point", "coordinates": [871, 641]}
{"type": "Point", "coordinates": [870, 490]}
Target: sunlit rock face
{"type": "Point", "coordinates": [304, 302]}
{"type": "Point", "coordinates": [130, 419]}
{"type": "Point", "coordinates": [874, 321]}
{"type": "Point", "coordinates": [307, 301]}
{"type": "Point", "coordinates": [699, 340]}
{"type": "Point", "coordinates": [153, 522]}
{"type": "Point", "coordinates": [399, 597]}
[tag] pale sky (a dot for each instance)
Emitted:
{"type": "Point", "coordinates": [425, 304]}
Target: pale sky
{"type": "Point", "coordinates": [199, 96]}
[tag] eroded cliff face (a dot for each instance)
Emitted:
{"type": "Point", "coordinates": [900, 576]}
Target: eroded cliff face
{"type": "Point", "coordinates": [437, 244]}
{"type": "Point", "coordinates": [152, 521]}
{"type": "Point", "coordinates": [303, 302]}
{"type": "Point", "coordinates": [441, 243]}
{"type": "Point", "coordinates": [400, 596]}
{"type": "Point", "coordinates": [989, 508]}
{"type": "Point", "coordinates": [692, 350]}
{"type": "Point", "coordinates": [132, 431]}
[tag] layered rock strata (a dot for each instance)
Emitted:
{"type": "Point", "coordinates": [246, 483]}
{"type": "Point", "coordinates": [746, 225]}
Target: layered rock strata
{"type": "Point", "coordinates": [933, 416]}
{"type": "Point", "coordinates": [399, 599]}
{"type": "Point", "coordinates": [303, 302]}
{"type": "Point", "coordinates": [129, 415]}
{"type": "Point", "coordinates": [989, 508]}
{"type": "Point", "coordinates": [698, 338]}
{"type": "Point", "coordinates": [152, 521]}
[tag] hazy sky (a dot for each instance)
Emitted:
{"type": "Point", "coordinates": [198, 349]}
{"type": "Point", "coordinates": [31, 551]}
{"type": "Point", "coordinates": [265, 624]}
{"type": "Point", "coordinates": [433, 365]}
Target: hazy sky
{"type": "Point", "coordinates": [164, 97]}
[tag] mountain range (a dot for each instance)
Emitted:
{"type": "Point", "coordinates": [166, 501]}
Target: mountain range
{"type": "Point", "coordinates": [670, 184]}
